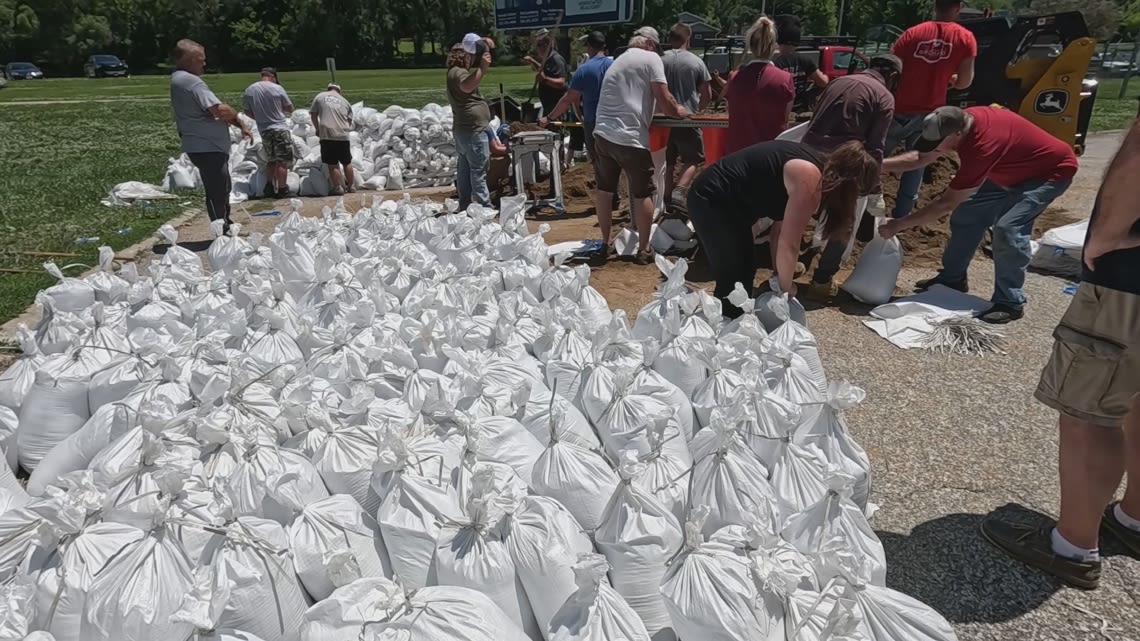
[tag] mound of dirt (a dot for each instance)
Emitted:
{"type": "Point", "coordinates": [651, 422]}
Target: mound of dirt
{"type": "Point", "coordinates": [519, 127]}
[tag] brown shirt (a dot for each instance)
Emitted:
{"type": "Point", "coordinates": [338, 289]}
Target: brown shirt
{"type": "Point", "coordinates": [855, 107]}
{"type": "Point", "coordinates": [469, 110]}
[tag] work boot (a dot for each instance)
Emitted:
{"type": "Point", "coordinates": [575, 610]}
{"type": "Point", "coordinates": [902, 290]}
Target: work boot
{"type": "Point", "coordinates": [643, 257]}
{"type": "Point", "coordinates": [961, 285]}
{"type": "Point", "coordinates": [1033, 546]}
{"type": "Point", "coordinates": [1130, 538]}
{"type": "Point", "coordinates": [270, 191]}
{"type": "Point", "coordinates": [820, 292]}
{"type": "Point", "coordinates": [600, 257]}
{"type": "Point", "coordinates": [1000, 314]}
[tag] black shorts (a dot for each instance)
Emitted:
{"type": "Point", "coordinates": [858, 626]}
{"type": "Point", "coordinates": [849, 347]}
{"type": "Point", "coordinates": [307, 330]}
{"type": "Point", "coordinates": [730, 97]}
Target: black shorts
{"type": "Point", "coordinates": [336, 152]}
{"type": "Point", "coordinates": [686, 144]}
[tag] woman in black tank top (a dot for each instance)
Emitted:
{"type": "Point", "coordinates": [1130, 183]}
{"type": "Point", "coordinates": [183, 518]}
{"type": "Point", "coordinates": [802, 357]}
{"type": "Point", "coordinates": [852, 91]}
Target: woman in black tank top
{"type": "Point", "coordinates": [785, 181]}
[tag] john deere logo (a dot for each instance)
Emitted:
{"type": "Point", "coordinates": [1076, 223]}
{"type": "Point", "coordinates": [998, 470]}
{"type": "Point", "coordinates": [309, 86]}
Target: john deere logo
{"type": "Point", "coordinates": [1051, 101]}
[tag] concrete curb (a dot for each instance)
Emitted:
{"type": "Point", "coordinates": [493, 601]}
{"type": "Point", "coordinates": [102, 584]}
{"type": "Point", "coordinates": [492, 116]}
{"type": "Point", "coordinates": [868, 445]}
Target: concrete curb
{"type": "Point", "coordinates": [32, 315]}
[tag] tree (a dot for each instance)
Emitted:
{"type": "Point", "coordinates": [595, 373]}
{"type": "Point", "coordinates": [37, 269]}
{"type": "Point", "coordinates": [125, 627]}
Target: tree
{"type": "Point", "coordinates": [1101, 16]}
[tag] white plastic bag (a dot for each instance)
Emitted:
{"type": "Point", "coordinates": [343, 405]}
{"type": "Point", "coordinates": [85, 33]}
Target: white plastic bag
{"type": "Point", "coordinates": [335, 543]}
{"type": "Point", "coordinates": [638, 535]}
{"type": "Point", "coordinates": [595, 611]}
{"type": "Point", "coordinates": [17, 379]}
{"type": "Point", "coordinates": [873, 281]}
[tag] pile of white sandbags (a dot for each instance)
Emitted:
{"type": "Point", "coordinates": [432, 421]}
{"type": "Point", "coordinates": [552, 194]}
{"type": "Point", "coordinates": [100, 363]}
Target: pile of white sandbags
{"type": "Point", "coordinates": [409, 424]}
{"type": "Point", "coordinates": [396, 148]}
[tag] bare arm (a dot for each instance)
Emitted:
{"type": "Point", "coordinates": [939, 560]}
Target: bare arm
{"type": "Point", "coordinates": [249, 112]}
{"type": "Point", "coordinates": [801, 179]}
{"type": "Point", "coordinates": [288, 108]}
{"type": "Point", "coordinates": [706, 95]}
{"type": "Point", "coordinates": [1112, 229]}
{"type": "Point", "coordinates": [909, 160]}
{"type": "Point", "coordinates": [665, 101]}
{"type": "Point", "coordinates": [945, 204]}
{"type": "Point", "coordinates": [572, 98]}
{"type": "Point", "coordinates": [774, 239]}
{"type": "Point", "coordinates": [229, 115]}
{"type": "Point", "coordinates": [471, 82]}
{"type": "Point", "coordinates": [819, 78]}
{"type": "Point", "coordinates": [965, 74]}
{"type": "Point", "coordinates": [557, 83]}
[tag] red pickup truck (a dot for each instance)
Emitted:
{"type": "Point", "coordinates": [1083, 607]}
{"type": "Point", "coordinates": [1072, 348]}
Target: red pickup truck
{"type": "Point", "coordinates": [833, 54]}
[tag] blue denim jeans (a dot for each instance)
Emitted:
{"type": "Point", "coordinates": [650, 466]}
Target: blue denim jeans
{"type": "Point", "coordinates": [472, 155]}
{"type": "Point", "coordinates": [1011, 212]}
{"type": "Point", "coordinates": [905, 130]}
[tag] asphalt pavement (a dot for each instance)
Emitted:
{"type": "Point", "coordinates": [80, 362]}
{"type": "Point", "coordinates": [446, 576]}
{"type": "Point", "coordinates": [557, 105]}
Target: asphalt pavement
{"type": "Point", "coordinates": [953, 438]}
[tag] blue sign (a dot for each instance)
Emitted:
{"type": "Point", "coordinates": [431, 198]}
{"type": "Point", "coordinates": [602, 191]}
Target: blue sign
{"type": "Point", "coordinates": [537, 14]}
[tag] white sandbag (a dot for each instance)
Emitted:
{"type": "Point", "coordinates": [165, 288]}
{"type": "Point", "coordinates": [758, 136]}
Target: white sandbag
{"type": "Point", "coordinates": [545, 541]}
{"type": "Point", "coordinates": [108, 287]}
{"type": "Point", "coordinates": [65, 582]}
{"type": "Point", "coordinates": [315, 183]}
{"type": "Point", "coordinates": [873, 281]}
{"type": "Point", "coordinates": [17, 610]}
{"type": "Point", "coordinates": [472, 552]}
{"type": "Point", "coordinates": [69, 294]}
{"type": "Point", "coordinates": [710, 592]}
{"type": "Point", "coordinates": [595, 611]}
{"type": "Point", "coordinates": [335, 543]}
{"type": "Point", "coordinates": [18, 378]}
{"type": "Point", "coordinates": [728, 478]}
{"type": "Point", "coordinates": [381, 609]}
{"type": "Point", "coordinates": [412, 511]}
{"type": "Point", "coordinates": [57, 404]}
{"type": "Point", "coordinates": [247, 582]}
{"type": "Point", "coordinates": [9, 421]}
{"type": "Point", "coordinates": [824, 428]}
{"type": "Point", "coordinates": [138, 591]}
{"type": "Point", "coordinates": [580, 479]}
{"type": "Point", "coordinates": [639, 536]}
{"type": "Point", "coordinates": [273, 483]}
{"type": "Point", "coordinates": [837, 519]}
{"type": "Point", "coordinates": [549, 416]}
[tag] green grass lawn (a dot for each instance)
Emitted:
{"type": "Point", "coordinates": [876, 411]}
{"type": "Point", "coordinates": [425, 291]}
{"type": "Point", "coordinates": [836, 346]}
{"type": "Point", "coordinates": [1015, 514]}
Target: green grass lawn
{"type": "Point", "coordinates": [58, 160]}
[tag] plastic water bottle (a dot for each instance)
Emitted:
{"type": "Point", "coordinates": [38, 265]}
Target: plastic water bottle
{"type": "Point", "coordinates": [86, 240]}
{"type": "Point", "coordinates": [122, 231]}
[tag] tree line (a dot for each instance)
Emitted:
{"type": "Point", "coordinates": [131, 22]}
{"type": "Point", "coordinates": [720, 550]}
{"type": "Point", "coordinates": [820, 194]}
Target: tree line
{"type": "Point", "coordinates": [299, 34]}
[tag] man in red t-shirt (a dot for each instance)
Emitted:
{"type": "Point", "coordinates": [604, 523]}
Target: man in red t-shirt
{"type": "Point", "coordinates": [1011, 170]}
{"type": "Point", "coordinates": [936, 54]}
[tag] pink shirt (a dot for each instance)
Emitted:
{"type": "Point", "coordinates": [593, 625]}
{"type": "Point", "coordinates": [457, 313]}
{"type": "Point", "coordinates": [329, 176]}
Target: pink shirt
{"type": "Point", "coordinates": [758, 97]}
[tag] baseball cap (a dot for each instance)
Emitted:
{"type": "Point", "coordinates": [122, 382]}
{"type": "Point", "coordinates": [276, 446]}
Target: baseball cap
{"type": "Point", "coordinates": [595, 39]}
{"type": "Point", "coordinates": [887, 61]}
{"type": "Point", "coordinates": [471, 42]}
{"type": "Point", "coordinates": [269, 71]}
{"type": "Point", "coordinates": [938, 125]}
{"type": "Point", "coordinates": [333, 85]}
{"type": "Point", "coordinates": [650, 33]}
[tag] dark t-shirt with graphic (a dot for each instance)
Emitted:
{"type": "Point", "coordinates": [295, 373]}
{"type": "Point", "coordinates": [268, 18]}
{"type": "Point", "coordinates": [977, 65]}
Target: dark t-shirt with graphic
{"type": "Point", "coordinates": [801, 67]}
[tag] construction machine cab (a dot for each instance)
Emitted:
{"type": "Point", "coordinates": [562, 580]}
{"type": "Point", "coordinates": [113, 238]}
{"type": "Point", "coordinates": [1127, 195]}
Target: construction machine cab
{"type": "Point", "coordinates": [1035, 66]}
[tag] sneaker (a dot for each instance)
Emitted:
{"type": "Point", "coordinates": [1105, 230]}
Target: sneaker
{"type": "Point", "coordinates": [350, 190]}
{"type": "Point", "coordinates": [1128, 537]}
{"type": "Point", "coordinates": [600, 257]}
{"type": "Point", "coordinates": [1033, 546]}
{"type": "Point", "coordinates": [337, 191]}
{"type": "Point", "coordinates": [961, 285]}
{"type": "Point", "coordinates": [283, 192]}
{"type": "Point", "coordinates": [820, 292]}
{"type": "Point", "coordinates": [643, 257]}
{"type": "Point", "coordinates": [1001, 314]}
{"type": "Point", "coordinates": [269, 191]}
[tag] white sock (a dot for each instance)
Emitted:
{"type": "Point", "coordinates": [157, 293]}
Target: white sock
{"type": "Point", "coordinates": [1062, 547]}
{"type": "Point", "coordinates": [1125, 520]}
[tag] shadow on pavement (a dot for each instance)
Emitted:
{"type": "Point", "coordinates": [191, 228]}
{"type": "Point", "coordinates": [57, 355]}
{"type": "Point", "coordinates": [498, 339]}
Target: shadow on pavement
{"type": "Point", "coordinates": [193, 245]}
{"type": "Point", "coordinates": [947, 564]}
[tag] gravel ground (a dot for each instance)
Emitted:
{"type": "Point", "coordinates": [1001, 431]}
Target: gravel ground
{"type": "Point", "coordinates": [952, 438]}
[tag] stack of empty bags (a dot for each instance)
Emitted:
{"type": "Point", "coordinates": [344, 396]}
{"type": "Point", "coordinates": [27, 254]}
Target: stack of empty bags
{"type": "Point", "coordinates": [408, 424]}
{"type": "Point", "coordinates": [396, 148]}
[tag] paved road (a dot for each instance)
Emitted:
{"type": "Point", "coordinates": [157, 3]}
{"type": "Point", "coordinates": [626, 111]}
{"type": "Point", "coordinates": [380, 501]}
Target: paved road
{"type": "Point", "coordinates": [953, 438]}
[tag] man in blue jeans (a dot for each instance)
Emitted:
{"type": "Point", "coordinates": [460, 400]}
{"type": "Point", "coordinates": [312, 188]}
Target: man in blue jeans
{"type": "Point", "coordinates": [1010, 172]}
{"type": "Point", "coordinates": [935, 55]}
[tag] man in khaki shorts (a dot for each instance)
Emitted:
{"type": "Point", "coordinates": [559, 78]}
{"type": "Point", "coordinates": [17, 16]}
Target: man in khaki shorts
{"type": "Point", "coordinates": [634, 86]}
{"type": "Point", "coordinates": [1093, 380]}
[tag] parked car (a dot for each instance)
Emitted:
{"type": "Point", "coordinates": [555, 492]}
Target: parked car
{"type": "Point", "coordinates": [22, 71]}
{"type": "Point", "coordinates": [105, 65]}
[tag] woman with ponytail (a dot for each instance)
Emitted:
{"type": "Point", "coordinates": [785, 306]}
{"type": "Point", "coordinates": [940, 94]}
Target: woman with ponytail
{"type": "Point", "coordinates": [759, 94]}
{"type": "Point", "coordinates": [782, 180]}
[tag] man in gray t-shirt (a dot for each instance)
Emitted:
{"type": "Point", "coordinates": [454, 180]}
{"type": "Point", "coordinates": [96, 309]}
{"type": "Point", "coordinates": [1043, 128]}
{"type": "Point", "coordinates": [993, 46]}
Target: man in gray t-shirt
{"type": "Point", "coordinates": [688, 80]}
{"type": "Point", "coordinates": [267, 103]}
{"type": "Point", "coordinates": [203, 124]}
{"type": "Point", "coordinates": [331, 114]}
